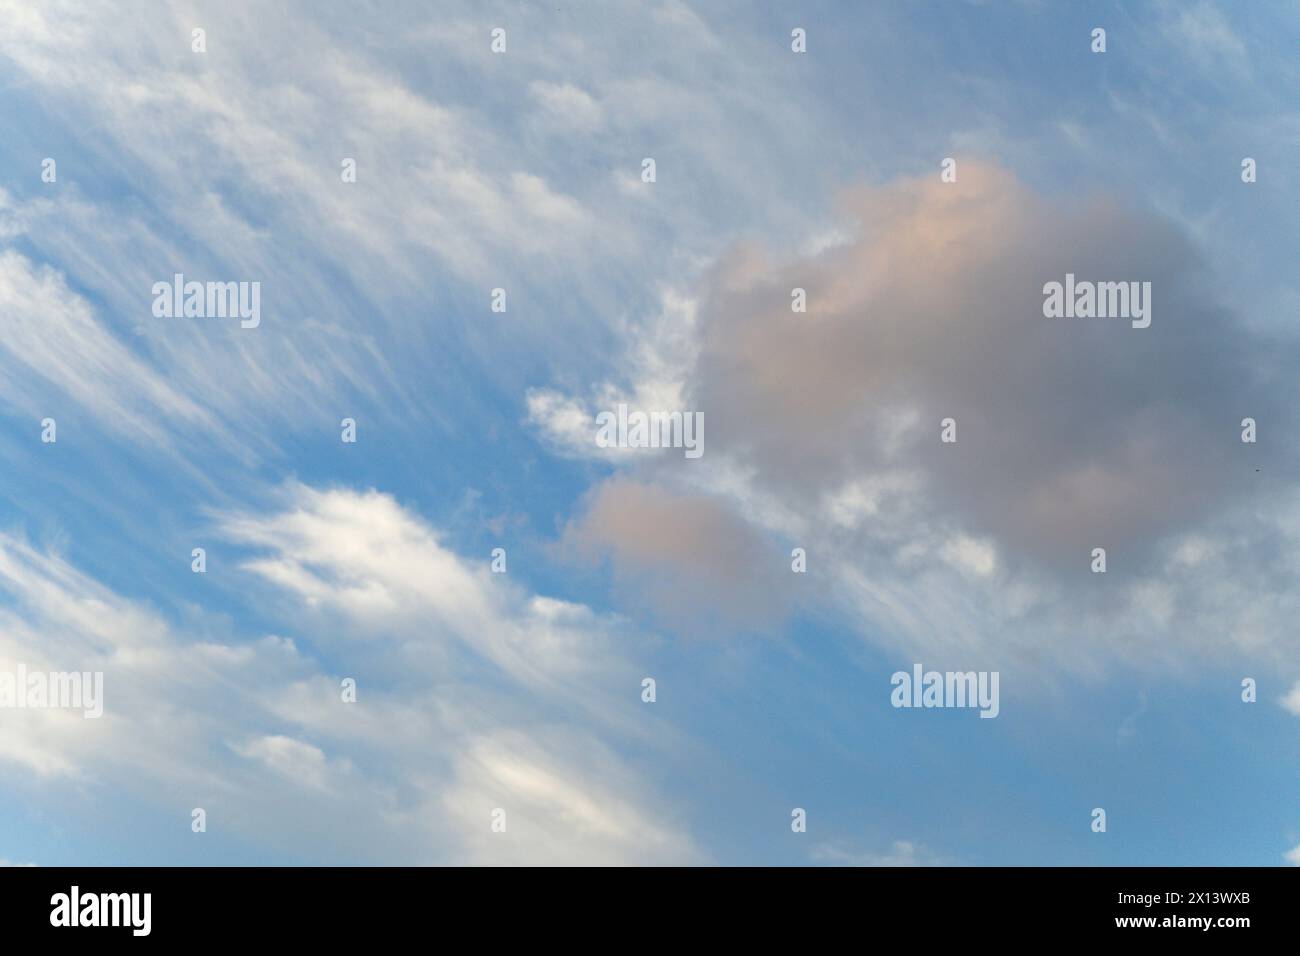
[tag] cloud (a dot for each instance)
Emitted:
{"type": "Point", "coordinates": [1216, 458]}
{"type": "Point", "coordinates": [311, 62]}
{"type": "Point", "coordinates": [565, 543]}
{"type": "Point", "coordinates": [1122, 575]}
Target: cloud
{"type": "Point", "coordinates": [661, 350]}
{"type": "Point", "coordinates": [293, 759]}
{"type": "Point", "coordinates": [230, 116]}
{"type": "Point", "coordinates": [1072, 433]}
{"type": "Point", "coordinates": [520, 171]}
{"type": "Point", "coordinates": [1292, 700]}
{"type": "Point", "coordinates": [472, 694]}
{"type": "Point", "coordinates": [1204, 32]}
{"type": "Point", "coordinates": [900, 853]}
{"type": "Point", "coordinates": [226, 166]}
{"type": "Point", "coordinates": [687, 559]}
{"type": "Point", "coordinates": [361, 556]}
{"type": "Point", "coordinates": [578, 809]}
{"type": "Point", "coordinates": [55, 349]}
{"type": "Point", "coordinates": [1069, 431]}
{"type": "Point", "coordinates": [1293, 856]}
{"type": "Point", "coordinates": [84, 338]}
{"type": "Point", "coordinates": [565, 105]}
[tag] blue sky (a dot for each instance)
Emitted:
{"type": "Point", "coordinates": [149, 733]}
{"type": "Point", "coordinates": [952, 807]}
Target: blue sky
{"type": "Point", "coordinates": [521, 170]}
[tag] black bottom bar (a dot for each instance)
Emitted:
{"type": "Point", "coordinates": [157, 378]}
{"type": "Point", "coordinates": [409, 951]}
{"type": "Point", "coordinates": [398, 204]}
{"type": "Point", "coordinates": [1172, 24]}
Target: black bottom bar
{"type": "Point", "coordinates": [662, 907]}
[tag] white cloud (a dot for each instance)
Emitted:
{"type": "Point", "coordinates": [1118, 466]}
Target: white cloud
{"type": "Point", "coordinates": [255, 731]}
{"type": "Point", "coordinates": [1203, 31]}
{"type": "Point", "coordinates": [542, 203]}
{"type": "Point", "coordinates": [566, 106]}
{"type": "Point", "coordinates": [363, 556]}
{"type": "Point", "coordinates": [293, 759]}
{"type": "Point", "coordinates": [577, 809]}
{"type": "Point", "coordinates": [974, 557]}
{"type": "Point", "coordinates": [55, 347]}
{"type": "Point", "coordinates": [660, 352]}
{"type": "Point", "coordinates": [900, 853]}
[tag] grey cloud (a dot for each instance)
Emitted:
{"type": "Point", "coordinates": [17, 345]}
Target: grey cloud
{"type": "Point", "coordinates": [1071, 432]}
{"type": "Point", "coordinates": [686, 558]}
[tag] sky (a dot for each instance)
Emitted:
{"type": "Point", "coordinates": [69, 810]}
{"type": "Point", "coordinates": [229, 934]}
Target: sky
{"type": "Point", "coordinates": [501, 713]}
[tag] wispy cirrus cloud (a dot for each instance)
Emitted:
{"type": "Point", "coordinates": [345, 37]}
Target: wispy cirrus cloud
{"type": "Point", "coordinates": [255, 730]}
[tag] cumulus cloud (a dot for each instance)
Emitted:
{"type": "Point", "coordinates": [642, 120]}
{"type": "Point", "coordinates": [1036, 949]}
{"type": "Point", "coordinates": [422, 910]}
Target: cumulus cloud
{"type": "Point", "coordinates": [1072, 433]}
{"type": "Point", "coordinates": [1069, 431]}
